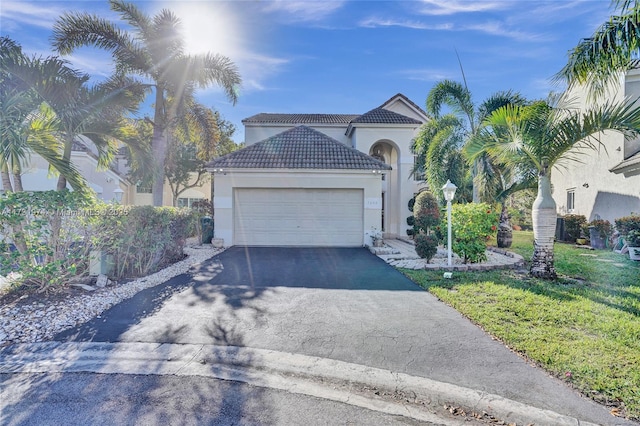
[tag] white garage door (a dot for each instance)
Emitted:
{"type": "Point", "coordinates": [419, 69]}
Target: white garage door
{"type": "Point", "coordinates": [298, 217]}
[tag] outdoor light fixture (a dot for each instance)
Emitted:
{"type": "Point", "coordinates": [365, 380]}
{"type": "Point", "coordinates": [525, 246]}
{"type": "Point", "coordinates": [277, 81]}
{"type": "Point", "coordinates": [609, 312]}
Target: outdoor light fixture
{"type": "Point", "coordinates": [117, 195]}
{"type": "Point", "coordinates": [449, 190]}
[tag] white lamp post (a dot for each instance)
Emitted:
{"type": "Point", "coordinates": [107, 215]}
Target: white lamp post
{"type": "Point", "coordinates": [449, 191]}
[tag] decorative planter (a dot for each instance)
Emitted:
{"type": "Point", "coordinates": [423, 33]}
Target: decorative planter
{"type": "Point", "coordinates": [378, 243]}
{"type": "Point", "coordinates": [634, 253]}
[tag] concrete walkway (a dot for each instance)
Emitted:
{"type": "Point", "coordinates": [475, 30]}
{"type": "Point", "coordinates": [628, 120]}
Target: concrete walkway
{"type": "Point", "coordinates": [401, 253]}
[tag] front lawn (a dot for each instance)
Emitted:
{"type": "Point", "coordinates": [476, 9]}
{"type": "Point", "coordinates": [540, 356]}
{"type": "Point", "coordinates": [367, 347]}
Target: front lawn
{"type": "Point", "coordinates": [584, 328]}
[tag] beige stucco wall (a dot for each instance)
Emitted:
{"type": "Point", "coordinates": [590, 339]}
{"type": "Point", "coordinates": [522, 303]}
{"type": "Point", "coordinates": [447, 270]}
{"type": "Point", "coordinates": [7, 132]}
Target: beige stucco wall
{"type": "Point", "coordinates": [224, 185]}
{"type": "Point", "coordinates": [400, 182]}
{"type": "Point", "coordinates": [599, 192]}
{"type": "Point", "coordinates": [203, 191]}
{"type": "Point", "coordinates": [36, 176]}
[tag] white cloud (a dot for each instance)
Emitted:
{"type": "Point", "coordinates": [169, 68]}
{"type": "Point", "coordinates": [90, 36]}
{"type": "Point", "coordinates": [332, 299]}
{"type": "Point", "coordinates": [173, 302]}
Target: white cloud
{"type": "Point", "coordinates": [425, 74]}
{"type": "Point", "coordinates": [451, 7]}
{"type": "Point", "coordinates": [36, 14]}
{"type": "Point", "coordinates": [497, 28]}
{"type": "Point", "coordinates": [416, 25]}
{"type": "Point", "coordinates": [305, 11]}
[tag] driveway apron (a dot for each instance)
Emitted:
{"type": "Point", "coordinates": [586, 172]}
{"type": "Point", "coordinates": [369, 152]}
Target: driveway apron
{"type": "Point", "coordinates": [339, 303]}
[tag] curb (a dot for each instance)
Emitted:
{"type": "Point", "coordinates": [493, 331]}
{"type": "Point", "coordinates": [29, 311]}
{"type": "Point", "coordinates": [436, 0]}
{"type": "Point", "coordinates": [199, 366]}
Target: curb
{"type": "Point", "coordinates": [320, 377]}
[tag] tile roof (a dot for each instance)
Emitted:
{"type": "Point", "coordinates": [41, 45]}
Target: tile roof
{"type": "Point", "coordinates": [301, 118]}
{"type": "Point", "coordinates": [384, 116]}
{"type": "Point", "coordinates": [407, 100]}
{"type": "Point", "coordinates": [299, 148]}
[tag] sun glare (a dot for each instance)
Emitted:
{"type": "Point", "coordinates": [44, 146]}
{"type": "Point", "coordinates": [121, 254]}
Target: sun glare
{"type": "Point", "coordinates": [208, 27]}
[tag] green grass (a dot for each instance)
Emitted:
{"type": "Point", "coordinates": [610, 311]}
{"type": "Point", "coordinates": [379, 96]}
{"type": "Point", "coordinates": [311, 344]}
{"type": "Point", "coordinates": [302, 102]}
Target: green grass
{"type": "Point", "coordinates": [583, 328]}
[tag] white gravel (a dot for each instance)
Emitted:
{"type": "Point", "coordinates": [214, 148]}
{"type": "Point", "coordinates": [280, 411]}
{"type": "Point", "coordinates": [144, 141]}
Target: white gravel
{"type": "Point", "coordinates": [37, 322]}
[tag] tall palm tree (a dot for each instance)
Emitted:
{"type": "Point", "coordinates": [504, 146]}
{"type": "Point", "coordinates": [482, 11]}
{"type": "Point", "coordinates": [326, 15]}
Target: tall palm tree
{"type": "Point", "coordinates": [458, 98]}
{"type": "Point", "coordinates": [154, 50]}
{"type": "Point", "coordinates": [608, 52]}
{"type": "Point", "coordinates": [540, 136]}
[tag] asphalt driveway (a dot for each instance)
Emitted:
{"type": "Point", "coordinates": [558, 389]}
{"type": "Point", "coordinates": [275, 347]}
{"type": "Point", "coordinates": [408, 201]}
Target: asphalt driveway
{"type": "Point", "coordinates": [343, 304]}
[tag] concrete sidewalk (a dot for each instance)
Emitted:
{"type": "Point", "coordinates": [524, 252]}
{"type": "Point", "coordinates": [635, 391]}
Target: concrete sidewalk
{"type": "Point", "coordinates": [414, 397]}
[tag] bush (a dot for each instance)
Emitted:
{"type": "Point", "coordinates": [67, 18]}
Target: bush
{"type": "Point", "coordinates": [573, 224]}
{"type": "Point", "coordinates": [472, 224]}
{"type": "Point", "coordinates": [426, 246]}
{"type": "Point", "coordinates": [603, 227]}
{"type": "Point", "coordinates": [633, 238]}
{"type": "Point", "coordinates": [43, 237]}
{"type": "Point", "coordinates": [144, 239]}
{"type": "Point", "coordinates": [626, 224]}
{"type": "Point", "coordinates": [426, 212]}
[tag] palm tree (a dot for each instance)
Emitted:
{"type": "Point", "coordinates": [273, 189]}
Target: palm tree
{"type": "Point", "coordinates": [26, 124]}
{"type": "Point", "coordinates": [540, 136]}
{"type": "Point", "coordinates": [154, 50]}
{"type": "Point", "coordinates": [437, 148]}
{"type": "Point", "coordinates": [458, 98]}
{"type": "Point", "coordinates": [608, 52]}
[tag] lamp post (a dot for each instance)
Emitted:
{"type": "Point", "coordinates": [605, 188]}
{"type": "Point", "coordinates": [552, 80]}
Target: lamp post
{"type": "Point", "coordinates": [449, 191]}
{"type": "Point", "coordinates": [117, 195]}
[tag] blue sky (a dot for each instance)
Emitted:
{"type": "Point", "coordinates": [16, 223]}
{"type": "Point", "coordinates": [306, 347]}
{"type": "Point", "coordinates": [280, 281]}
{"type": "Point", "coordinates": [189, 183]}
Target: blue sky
{"type": "Point", "coordinates": [349, 56]}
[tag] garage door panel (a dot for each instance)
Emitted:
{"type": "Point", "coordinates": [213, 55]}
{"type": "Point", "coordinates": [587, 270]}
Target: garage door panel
{"type": "Point", "coordinates": [298, 217]}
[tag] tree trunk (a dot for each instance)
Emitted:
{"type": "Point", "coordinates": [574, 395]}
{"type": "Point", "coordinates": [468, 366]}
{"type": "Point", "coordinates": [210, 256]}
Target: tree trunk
{"type": "Point", "coordinates": [17, 182]}
{"type": "Point", "coordinates": [159, 147]}
{"type": "Point", "coordinates": [66, 157]}
{"type": "Point", "coordinates": [544, 229]}
{"type": "Point", "coordinates": [6, 180]}
{"type": "Point", "coordinates": [505, 233]}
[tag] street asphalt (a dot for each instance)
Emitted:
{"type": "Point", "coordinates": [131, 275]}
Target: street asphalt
{"type": "Point", "coordinates": [345, 305]}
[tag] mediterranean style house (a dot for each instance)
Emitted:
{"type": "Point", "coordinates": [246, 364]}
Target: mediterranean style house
{"type": "Point", "coordinates": [319, 179]}
{"type": "Point", "coordinates": [605, 184]}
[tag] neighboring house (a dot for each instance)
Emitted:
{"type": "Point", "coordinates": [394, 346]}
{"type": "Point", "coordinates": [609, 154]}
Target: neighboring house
{"type": "Point", "coordinates": [319, 179]}
{"type": "Point", "coordinates": [110, 185]}
{"type": "Point", "coordinates": [105, 183]}
{"type": "Point", "coordinates": [605, 184]}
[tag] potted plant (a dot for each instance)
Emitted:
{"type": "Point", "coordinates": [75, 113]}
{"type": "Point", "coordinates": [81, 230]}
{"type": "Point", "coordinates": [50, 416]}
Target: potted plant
{"type": "Point", "coordinates": [633, 241]}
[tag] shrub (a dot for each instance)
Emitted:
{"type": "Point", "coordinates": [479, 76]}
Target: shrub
{"type": "Point", "coordinates": [603, 227]}
{"type": "Point", "coordinates": [472, 224]}
{"type": "Point", "coordinates": [426, 212]}
{"type": "Point", "coordinates": [573, 224]}
{"type": "Point", "coordinates": [42, 237]}
{"type": "Point", "coordinates": [633, 238]}
{"type": "Point", "coordinates": [628, 223]}
{"type": "Point", "coordinates": [426, 246]}
{"type": "Point", "coordinates": [144, 239]}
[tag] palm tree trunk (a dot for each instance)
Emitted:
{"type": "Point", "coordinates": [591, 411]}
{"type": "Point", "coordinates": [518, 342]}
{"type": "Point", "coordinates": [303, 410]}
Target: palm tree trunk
{"type": "Point", "coordinates": [544, 228]}
{"type": "Point", "coordinates": [6, 180]}
{"type": "Point", "coordinates": [66, 157]}
{"type": "Point", "coordinates": [159, 147]}
{"type": "Point", "coordinates": [17, 182]}
{"type": "Point", "coordinates": [505, 232]}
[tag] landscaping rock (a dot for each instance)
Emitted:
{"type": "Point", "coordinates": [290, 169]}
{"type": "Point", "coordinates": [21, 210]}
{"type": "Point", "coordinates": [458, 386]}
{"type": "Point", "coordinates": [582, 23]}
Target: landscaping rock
{"type": "Point", "coordinates": [102, 281]}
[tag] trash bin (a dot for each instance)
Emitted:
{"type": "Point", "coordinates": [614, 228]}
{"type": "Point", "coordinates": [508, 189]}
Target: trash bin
{"type": "Point", "coordinates": [206, 224]}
